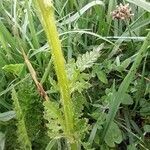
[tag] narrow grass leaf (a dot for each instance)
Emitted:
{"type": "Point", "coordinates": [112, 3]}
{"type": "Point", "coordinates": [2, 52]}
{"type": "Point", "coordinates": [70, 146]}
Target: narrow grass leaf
{"type": "Point", "coordinates": [6, 116]}
{"type": "Point", "coordinates": [141, 3]}
{"type": "Point", "coordinates": [50, 144]}
{"type": "Point", "coordinates": [77, 15]}
{"type": "Point", "coordinates": [2, 141]}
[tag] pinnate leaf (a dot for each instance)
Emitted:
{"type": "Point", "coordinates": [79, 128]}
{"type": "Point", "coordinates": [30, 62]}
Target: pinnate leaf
{"type": "Point", "coordinates": [88, 59]}
{"type": "Point", "coordinates": [14, 68]}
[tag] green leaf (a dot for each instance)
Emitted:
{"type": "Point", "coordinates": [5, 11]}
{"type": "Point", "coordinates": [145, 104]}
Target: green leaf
{"type": "Point", "coordinates": [50, 144]}
{"type": "Point", "coordinates": [145, 108]}
{"type": "Point", "coordinates": [21, 126]}
{"type": "Point", "coordinates": [80, 86]}
{"type": "Point", "coordinates": [81, 125]}
{"type": "Point", "coordinates": [2, 141]}
{"type": "Point", "coordinates": [147, 128]}
{"type": "Point", "coordinates": [14, 68]}
{"type": "Point", "coordinates": [126, 63]}
{"type": "Point", "coordinates": [102, 77]}
{"type": "Point", "coordinates": [6, 116]}
{"type": "Point", "coordinates": [93, 134]}
{"type": "Point", "coordinates": [87, 60]}
{"type": "Point", "coordinates": [71, 69]}
{"type": "Point", "coordinates": [32, 107]}
{"type": "Point", "coordinates": [127, 99]}
{"type": "Point", "coordinates": [113, 135]}
{"type": "Point", "coordinates": [78, 103]}
{"type": "Point", "coordinates": [131, 147]}
{"type": "Point", "coordinates": [81, 128]}
{"type": "Point", "coordinates": [53, 114]}
{"type": "Point", "coordinates": [80, 12]}
{"type": "Point", "coordinates": [141, 3]}
{"type": "Point", "coordinates": [104, 147]}
{"type": "Point", "coordinates": [100, 74]}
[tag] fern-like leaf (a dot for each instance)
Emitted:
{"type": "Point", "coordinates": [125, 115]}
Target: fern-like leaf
{"type": "Point", "coordinates": [81, 124]}
{"type": "Point", "coordinates": [77, 80]}
{"type": "Point", "coordinates": [88, 59]}
{"type": "Point", "coordinates": [53, 115]}
{"type": "Point", "coordinates": [32, 108]}
{"type": "Point", "coordinates": [22, 132]}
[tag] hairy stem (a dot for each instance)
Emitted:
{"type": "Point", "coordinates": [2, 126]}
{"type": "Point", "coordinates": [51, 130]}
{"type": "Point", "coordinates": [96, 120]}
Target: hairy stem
{"type": "Point", "coordinates": [48, 21]}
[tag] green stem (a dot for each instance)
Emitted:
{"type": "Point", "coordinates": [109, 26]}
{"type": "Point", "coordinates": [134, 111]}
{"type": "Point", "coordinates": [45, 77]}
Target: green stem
{"type": "Point", "coordinates": [48, 21]}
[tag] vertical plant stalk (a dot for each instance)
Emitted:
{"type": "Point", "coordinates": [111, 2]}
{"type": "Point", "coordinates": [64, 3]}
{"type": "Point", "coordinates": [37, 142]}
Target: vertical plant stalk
{"type": "Point", "coordinates": [48, 21]}
{"type": "Point", "coordinates": [116, 100]}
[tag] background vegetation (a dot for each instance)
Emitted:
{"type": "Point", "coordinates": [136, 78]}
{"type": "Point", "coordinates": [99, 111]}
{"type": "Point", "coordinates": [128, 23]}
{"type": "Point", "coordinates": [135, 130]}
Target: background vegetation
{"type": "Point", "coordinates": [108, 72]}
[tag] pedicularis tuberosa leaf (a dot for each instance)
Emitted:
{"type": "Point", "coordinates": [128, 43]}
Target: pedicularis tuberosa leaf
{"type": "Point", "coordinates": [23, 137]}
{"type": "Point", "coordinates": [88, 59]}
{"type": "Point", "coordinates": [29, 113]}
{"type": "Point", "coordinates": [54, 115]}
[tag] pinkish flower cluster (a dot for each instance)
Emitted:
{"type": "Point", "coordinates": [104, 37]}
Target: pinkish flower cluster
{"type": "Point", "coordinates": [122, 12]}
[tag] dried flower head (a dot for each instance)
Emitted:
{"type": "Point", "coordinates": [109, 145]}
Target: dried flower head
{"type": "Point", "coordinates": [122, 12]}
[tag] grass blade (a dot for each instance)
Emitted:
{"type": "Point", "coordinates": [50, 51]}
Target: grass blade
{"type": "Point", "coordinates": [141, 3]}
{"type": "Point", "coordinates": [77, 15]}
